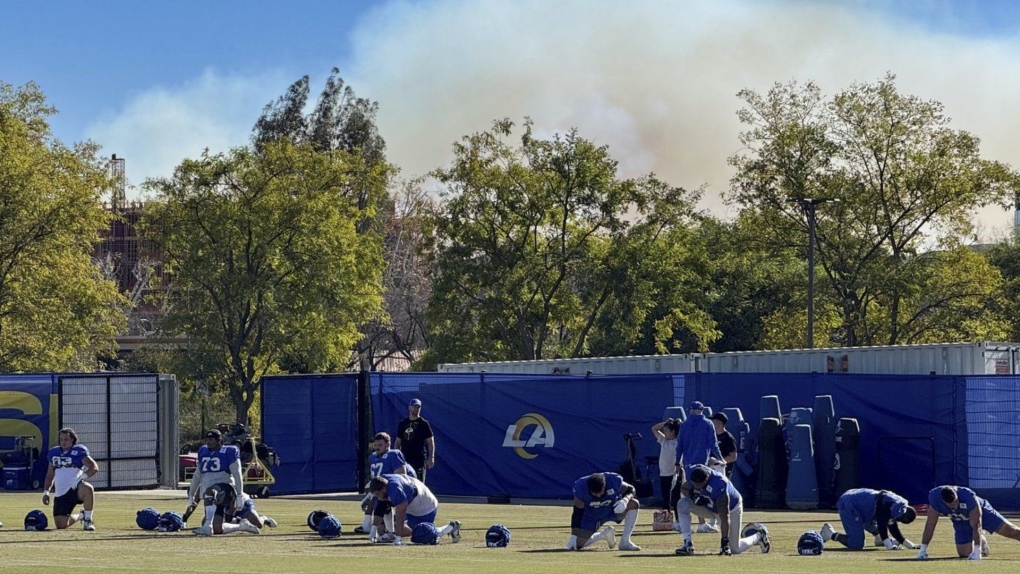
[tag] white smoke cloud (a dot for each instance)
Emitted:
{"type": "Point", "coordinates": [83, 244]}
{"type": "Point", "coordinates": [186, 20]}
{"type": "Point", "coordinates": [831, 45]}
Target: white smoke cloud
{"type": "Point", "coordinates": [654, 80]}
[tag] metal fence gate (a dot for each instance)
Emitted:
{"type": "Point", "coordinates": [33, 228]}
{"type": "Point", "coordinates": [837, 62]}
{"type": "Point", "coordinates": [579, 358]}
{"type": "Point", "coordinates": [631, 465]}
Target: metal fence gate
{"type": "Point", "coordinates": [117, 418]}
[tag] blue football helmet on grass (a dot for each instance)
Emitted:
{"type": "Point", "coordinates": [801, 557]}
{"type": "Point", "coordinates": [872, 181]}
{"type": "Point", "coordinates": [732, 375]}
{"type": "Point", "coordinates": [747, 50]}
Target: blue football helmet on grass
{"type": "Point", "coordinates": [314, 518]}
{"type": "Point", "coordinates": [810, 544]}
{"type": "Point", "coordinates": [147, 518]}
{"type": "Point", "coordinates": [36, 520]}
{"type": "Point", "coordinates": [330, 527]}
{"type": "Point", "coordinates": [497, 536]}
{"type": "Point", "coordinates": [171, 522]}
{"type": "Point", "coordinates": [425, 533]}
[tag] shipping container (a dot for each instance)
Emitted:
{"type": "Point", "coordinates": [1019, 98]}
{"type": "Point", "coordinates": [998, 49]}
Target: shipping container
{"type": "Point", "coordinates": [634, 365]}
{"type": "Point", "coordinates": [938, 359]}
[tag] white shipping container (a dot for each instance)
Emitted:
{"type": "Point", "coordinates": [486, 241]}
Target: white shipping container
{"type": "Point", "coordinates": [634, 365]}
{"type": "Point", "coordinates": [937, 359]}
{"type": "Point", "coordinates": [940, 359]}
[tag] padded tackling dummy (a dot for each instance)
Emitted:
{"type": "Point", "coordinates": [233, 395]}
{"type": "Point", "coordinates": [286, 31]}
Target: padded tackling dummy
{"type": "Point", "coordinates": [770, 407]}
{"type": "Point", "coordinates": [848, 450]}
{"type": "Point", "coordinates": [801, 483]}
{"type": "Point", "coordinates": [800, 416]}
{"type": "Point", "coordinates": [810, 544]}
{"type": "Point", "coordinates": [425, 533]}
{"type": "Point", "coordinates": [330, 527]}
{"type": "Point", "coordinates": [314, 518]}
{"type": "Point", "coordinates": [36, 520]}
{"type": "Point", "coordinates": [742, 469]}
{"type": "Point", "coordinates": [147, 519]}
{"type": "Point", "coordinates": [497, 536]}
{"type": "Point", "coordinates": [771, 484]}
{"type": "Point", "coordinates": [675, 413]}
{"type": "Point", "coordinates": [824, 433]}
{"type": "Point", "coordinates": [171, 522]}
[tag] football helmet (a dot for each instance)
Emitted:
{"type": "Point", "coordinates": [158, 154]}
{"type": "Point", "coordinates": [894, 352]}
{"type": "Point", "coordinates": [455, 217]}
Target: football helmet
{"type": "Point", "coordinates": [315, 517]}
{"type": "Point", "coordinates": [330, 527]}
{"type": "Point", "coordinates": [425, 533]}
{"type": "Point", "coordinates": [36, 520]}
{"type": "Point", "coordinates": [170, 522]}
{"type": "Point", "coordinates": [147, 518]}
{"type": "Point", "coordinates": [497, 536]}
{"type": "Point", "coordinates": [810, 544]}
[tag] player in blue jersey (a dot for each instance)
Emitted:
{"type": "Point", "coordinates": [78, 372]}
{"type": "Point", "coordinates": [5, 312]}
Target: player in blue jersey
{"type": "Point", "coordinates": [69, 465]}
{"type": "Point", "coordinates": [218, 481]}
{"type": "Point", "coordinates": [599, 498]}
{"type": "Point", "coordinates": [709, 494]}
{"type": "Point", "coordinates": [877, 511]}
{"type": "Point", "coordinates": [383, 460]}
{"type": "Point", "coordinates": [248, 512]}
{"type": "Point", "coordinates": [969, 513]}
{"type": "Point", "coordinates": [697, 443]}
{"type": "Point", "coordinates": [413, 504]}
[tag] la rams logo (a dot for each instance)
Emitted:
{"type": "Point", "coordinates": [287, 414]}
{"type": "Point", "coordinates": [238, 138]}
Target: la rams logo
{"type": "Point", "coordinates": [541, 435]}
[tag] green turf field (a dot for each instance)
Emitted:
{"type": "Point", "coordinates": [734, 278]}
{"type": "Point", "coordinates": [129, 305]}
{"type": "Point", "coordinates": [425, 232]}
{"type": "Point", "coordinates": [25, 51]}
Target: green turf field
{"type": "Point", "coordinates": [539, 536]}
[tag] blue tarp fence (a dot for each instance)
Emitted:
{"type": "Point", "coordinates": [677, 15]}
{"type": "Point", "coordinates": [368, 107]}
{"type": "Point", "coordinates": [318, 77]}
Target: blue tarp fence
{"type": "Point", "coordinates": [533, 435]}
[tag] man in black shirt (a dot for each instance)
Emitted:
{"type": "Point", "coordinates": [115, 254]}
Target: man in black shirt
{"type": "Point", "coordinates": [727, 445]}
{"type": "Point", "coordinates": [415, 440]}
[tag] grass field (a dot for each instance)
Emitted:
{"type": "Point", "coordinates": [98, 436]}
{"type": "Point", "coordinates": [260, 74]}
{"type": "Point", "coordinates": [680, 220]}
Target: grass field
{"type": "Point", "coordinates": [539, 536]}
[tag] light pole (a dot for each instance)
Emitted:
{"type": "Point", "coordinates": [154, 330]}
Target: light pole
{"type": "Point", "coordinates": [809, 204]}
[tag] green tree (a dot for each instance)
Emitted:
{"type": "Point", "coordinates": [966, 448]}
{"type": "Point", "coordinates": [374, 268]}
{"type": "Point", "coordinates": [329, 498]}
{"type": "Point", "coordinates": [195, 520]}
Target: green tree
{"type": "Point", "coordinates": [1005, 256]}
{"type": "Point", "coordinates": [56, 310]}
{"type": "Point", "coordinates": [535, 244]}
{"type": "Point", "coordinates": [906, 183]}
{"type": "Point", "coordinates": [266, 262]}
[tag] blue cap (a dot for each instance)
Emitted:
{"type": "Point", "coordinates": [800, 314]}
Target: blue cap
{"type": "Point", "coordinates": [697, 405]}
{"type": "Point", "coordinates": [415, 403]}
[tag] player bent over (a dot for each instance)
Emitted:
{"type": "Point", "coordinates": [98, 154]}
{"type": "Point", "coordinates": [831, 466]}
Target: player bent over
{"type": "Point", "coordinates": [876, 511]}
{"type": "Point", "coordinates": [599, 498]}
{"type": "Point", "coordinates": [969, 513]}
{"type": "Point", "coordinates": [413, 504]}
{"type": "Point", "coordinates": [218, 479]}
{"type": "Point", "coordinates": [249, 513]}
{"type": "Point", "coordinates": [69, 465]}
{"type": "Point", "coordinates": [709, 494]}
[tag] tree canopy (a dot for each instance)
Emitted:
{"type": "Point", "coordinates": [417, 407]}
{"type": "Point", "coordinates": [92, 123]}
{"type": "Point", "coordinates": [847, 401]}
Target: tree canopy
{"type": "Point", "coordinates": [57, 312]}
{"type": "Point", "coordinates": [267, 266]}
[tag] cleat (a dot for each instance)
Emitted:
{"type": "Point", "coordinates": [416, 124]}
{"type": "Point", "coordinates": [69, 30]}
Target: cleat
{"type": "Point", "coordinates": [984, 547]}
{"type": "Point", "coordinates": [628, 545]}
{"type": "Point", "coordinates": [360, 530]}
{"type": "Point", "coordinates": [611, 537]}
{"type": "Point", "coordinates": [686, 550]}
{"type": "Point", "coordinates": [203, 531]}
{"type": "Point", "coordinates": [764, 541]}
{"type": "Point", "coordinates": [269, 522]}
{"type": "Point", "coordinates": [249, 527]}
{"type": "Point", "coordinates": [706, 528]}
{"type": "Point", "coordinates": [827, 532]}
{"type": "Point", "coordinates": [455, 532]}
{"type": "Point", "coordinates": [88, 525]}
{"type": "Point", "coordinates": [387, 537]}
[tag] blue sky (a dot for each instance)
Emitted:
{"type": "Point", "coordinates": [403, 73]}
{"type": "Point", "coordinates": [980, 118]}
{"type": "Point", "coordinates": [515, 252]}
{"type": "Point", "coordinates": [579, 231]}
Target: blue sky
{"type": "Point", "coordinates": [655, 80]}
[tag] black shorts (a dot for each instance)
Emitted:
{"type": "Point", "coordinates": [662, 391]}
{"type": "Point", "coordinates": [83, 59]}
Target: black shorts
{"type": "Point", "coordinates": [64, 504]}
{"type": "Point", "coordinates": [228, 500]}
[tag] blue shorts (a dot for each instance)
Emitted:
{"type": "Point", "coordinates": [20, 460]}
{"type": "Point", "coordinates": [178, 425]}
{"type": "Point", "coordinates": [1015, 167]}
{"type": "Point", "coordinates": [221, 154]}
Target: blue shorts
{"type": "Point", "coordinates": [592, 521]}
{"type": "Point", "coordinates": [413, 520]}
{"type": "Point", "coordinates": [991, 520]}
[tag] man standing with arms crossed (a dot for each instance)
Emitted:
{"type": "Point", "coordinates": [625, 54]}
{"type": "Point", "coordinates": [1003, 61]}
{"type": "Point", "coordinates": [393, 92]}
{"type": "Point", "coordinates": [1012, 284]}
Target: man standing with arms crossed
{"type": "Point", "coordinates": [416, 440]}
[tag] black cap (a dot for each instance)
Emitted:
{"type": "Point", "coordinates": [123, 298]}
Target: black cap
{"type": "Point", "coordinates": [720, 416]}
{"type": "Point", "coordinates": [213, 433]}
